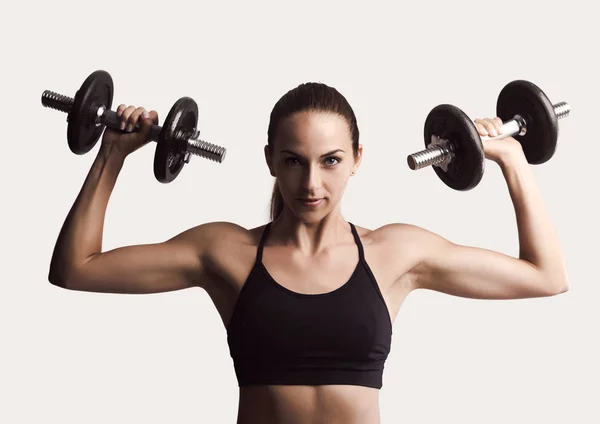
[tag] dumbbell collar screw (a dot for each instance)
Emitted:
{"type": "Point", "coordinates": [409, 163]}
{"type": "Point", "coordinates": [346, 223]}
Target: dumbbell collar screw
{"type": "Point", "coordinates": [522, 124]}
{"type": "Point", "coordinates": [446, 146]}
{"type": "Point", "coordinates": [98, 115]}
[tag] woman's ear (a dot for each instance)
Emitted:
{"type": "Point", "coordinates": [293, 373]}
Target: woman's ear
{"type": "Point", "coordinates": [358, 158]}
{"type": "Point", "coordinates": [269, 159]}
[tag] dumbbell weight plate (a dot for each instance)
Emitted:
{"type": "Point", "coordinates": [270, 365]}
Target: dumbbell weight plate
{"type": "Point", "coordinates": [451, 123]}
{"type": "Point", "coordinates": [526, 99]}
{"type": "Point", "coordinates": [82, 132]}
{"type": "Point", "coordinates": [171, 149]}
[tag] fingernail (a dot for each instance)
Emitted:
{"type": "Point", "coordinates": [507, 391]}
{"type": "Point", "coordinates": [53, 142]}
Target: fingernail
{"type": "Point", "coordinates": [494, 133]}
{"type": "Point", "coordinates": [146, 115]}
{"type": "Point", "coordinates": [122, 126]}
{"type": "Point", "coordinates": [129, 127]}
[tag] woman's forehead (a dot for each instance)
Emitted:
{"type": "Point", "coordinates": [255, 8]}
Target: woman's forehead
{"type": "Point", "coordinates": [314, 127]}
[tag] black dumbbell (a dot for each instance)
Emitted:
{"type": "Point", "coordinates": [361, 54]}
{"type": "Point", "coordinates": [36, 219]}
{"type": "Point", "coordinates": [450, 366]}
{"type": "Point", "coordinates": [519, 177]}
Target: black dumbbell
{"type": "Point", "coordinates": [89, 112]}
{"type": "Point", "coordinates": [454, 146]}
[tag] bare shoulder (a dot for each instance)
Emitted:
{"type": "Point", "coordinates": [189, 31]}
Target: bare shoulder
{"type": "Point", "coordinates": [220, 230]}
{"type": "Point", "coordinates": [401, 234]}
{"type": "Point", "coordinates": [227, 249]}
{"type": "Point", "coordinates": [213, 238]}
{"type": "Point", "coordinates": [389, 236]}
{"type": "Point", "coordinates": [405, 245]}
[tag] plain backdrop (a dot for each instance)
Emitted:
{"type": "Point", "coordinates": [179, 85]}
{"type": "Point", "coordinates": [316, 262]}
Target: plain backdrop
{"type": "Point", "coordinates": [75, 357]}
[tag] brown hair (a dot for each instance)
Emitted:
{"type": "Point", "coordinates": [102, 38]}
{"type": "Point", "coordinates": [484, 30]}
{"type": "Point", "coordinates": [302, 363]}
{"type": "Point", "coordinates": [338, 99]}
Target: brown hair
{"type": "Point", "coordinates": [314, 97]}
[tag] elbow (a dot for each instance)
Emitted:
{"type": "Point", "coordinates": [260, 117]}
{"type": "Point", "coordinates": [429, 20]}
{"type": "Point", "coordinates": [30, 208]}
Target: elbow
{"type": "Point", "coordinates": [563, 288]}
{"type": "Point", "coordinates": [551, 282]}
{"type": "Point", "coordinates": [554, 288]}
{"type": "Point", "coordinates": [57, 272]}
{"type": "Point", "coordinates": [57, 279]}
{"type": "Point", "coordinates": [63, 274]}
{"type": "Point", "coordinates": [562, 284]}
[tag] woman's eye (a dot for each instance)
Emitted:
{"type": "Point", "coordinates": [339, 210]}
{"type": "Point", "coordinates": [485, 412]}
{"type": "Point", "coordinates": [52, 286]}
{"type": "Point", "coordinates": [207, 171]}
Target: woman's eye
{"type": "Point", "coordinates": [292, 161]}
{"type": "Point", "coordinates": [295, 161]}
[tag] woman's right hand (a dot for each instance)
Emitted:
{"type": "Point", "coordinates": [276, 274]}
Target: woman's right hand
{"type": "Point", "coordinates": [131, 137]}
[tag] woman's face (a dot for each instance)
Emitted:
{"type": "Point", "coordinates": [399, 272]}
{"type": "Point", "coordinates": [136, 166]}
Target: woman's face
{"type": "Point", "coordinates": [312, 160]}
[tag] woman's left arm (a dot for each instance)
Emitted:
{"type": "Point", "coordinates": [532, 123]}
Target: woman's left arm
{"type": "Point", "coordinates": [473, 272]}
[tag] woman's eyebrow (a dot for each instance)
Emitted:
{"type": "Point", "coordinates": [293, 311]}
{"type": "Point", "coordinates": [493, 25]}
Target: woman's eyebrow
{"type": "Point", "coordinates": [323, 155]}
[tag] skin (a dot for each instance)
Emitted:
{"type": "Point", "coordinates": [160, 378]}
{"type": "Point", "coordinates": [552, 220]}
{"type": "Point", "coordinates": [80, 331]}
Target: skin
{"type": "Point", "coordinates": [305, 248]}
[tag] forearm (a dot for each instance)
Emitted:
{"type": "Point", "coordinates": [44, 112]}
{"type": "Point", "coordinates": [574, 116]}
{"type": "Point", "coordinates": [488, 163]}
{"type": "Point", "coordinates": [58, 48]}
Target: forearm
{"type": "Point", "coordinates": [538, 241]}
{"type": "Point", "coordinates": [81, 234]}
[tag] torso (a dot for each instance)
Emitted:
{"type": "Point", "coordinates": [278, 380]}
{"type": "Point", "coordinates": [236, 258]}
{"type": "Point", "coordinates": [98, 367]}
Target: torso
{"type": "Point", "coordinates": [227, 270]}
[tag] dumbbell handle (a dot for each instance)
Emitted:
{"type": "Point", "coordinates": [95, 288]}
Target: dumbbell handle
{"type": "Point", "coordinates": [436, 155]}
{"type": "Point", "coordinates": [109, 118]}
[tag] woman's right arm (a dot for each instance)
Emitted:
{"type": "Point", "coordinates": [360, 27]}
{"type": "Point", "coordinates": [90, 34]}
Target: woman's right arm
{"type": "Point", "coordinates": [78, 262]}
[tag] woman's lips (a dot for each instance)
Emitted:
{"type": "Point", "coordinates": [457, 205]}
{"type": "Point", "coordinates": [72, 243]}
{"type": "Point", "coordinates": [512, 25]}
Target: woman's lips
{"type": "Point", "coordinates": [311, 202]}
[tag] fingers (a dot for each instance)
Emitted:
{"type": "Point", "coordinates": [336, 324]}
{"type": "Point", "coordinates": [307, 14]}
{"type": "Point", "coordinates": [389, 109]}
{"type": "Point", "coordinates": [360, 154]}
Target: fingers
{"type": "Point", "coordinates": [153, 116]}
{"type": "Point", "coordinates": [489, 126]}
{"type": "Point", "coordinates": [147, 120]}
{"type": "Point", "coordinates": [481, 128]}
{"type": "Point", "coordinates": [132, 117]}
{"type": "Point", "coordinates": [125, 113]}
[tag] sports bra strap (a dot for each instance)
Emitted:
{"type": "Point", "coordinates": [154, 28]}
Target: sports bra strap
{"type": "Point", "coordinates": [361, 253]}
{"type": "Point", "coordinates": [262, 242]}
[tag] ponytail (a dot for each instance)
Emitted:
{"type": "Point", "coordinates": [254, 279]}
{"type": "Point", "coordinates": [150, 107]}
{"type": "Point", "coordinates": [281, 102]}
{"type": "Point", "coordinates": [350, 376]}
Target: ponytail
{"type": "Point", "coordinates": [276, 202]}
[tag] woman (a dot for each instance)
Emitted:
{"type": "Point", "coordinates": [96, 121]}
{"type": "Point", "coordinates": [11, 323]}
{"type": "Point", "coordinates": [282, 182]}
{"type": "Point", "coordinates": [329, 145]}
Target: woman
{"type": "Point", "coordinates": [309, 299]}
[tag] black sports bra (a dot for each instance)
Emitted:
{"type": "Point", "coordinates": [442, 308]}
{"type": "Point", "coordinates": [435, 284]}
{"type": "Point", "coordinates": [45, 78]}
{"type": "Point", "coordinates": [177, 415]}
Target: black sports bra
{"type": "Point", "coordinates": [280, 337]}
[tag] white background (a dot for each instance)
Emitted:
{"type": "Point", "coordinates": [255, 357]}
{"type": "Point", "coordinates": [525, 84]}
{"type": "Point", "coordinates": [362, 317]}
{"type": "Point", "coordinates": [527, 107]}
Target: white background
{"type": "Point", "coordinates": [75, 357]}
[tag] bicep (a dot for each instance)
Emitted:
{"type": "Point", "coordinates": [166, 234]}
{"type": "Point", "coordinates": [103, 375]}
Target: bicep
{"type": "Point", "coordinates": [150, 268]}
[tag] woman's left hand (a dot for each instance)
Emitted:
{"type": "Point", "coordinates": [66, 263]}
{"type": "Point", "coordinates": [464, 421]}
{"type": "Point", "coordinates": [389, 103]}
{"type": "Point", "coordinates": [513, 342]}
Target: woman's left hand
{"type": "Point", "coordinates": [498, 151]}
